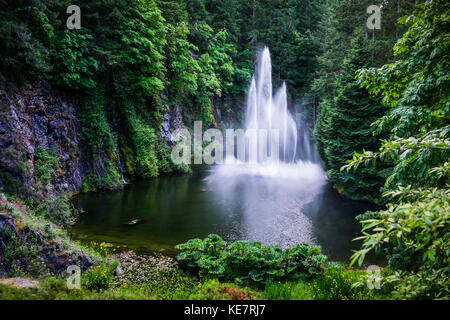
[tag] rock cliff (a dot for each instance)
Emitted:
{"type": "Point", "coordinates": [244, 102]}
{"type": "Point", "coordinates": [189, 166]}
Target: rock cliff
{"type": "Point", "coordinates": [35, 119]}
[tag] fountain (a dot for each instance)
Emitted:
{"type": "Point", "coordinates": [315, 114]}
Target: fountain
{"type": "Point", "coordinates": [269, 114]}
{"type": "Point", "coordinates": [269, 194]}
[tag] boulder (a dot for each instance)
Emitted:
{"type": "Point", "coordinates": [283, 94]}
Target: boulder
{"type": "Point", "coordinates": [86, 262]}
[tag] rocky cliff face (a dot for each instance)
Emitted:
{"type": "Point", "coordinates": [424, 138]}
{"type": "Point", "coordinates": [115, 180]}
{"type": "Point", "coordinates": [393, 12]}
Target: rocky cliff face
{"type": "Point", "coordinates": [40, 123]}
{"type": "Point", "coordinates": [173, 120]}
{"type": "Point", "coordinates": [38, 119]}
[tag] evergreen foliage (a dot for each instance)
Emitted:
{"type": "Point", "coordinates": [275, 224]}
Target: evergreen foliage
{"type": "Point", "coordinates": [346, 112]}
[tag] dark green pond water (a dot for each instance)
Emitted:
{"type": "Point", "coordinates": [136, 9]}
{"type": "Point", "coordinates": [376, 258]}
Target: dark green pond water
{"type": "Point", "coordinates": [177, 208]}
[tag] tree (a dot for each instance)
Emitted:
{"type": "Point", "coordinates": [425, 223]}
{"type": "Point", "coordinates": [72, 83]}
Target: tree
{"type": "Point", "coordinates": [346, 112]}
{"type": "Point", "coordinates": [416, 86]}
{"type": "Point", "coordinates": [414, 229]}
{"type": "Point", "coordinates": [182, 68]}
{"type": "Point", "coordinates": [345, 126]}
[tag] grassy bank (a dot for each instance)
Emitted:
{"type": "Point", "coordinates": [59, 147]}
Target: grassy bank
{"type": "Point", "coordinates": [335, 285]}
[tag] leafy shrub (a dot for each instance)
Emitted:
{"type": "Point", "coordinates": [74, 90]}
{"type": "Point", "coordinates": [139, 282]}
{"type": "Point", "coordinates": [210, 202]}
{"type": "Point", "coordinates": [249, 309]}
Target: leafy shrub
{"type": "Point", "coordinates": [242, 259]}
{"type": "Point", "coordinates": [251, 258]}
{"type": "Point", "coordinates": [416, 237]}
{"type": "Point", "coordinates": [45, 163]}
{"type": "Point", "coordinates": [144, 141]}
{"type": "Point", "coordinates": [338, 284]}
{"type": "Point", "coordinates": [90, 183]}
{"type": "Point", "coordinates": [367, 215]}
{"type": "Point", "coordinates": [98, 278]}
{"type": "Point", "coordinates": [207, 255]}
{"type": "Point", "coordinates": [304, 258]}
{"type": "Point", "coordinates": [165, 163]}
{"type": "Point", "coordinates": [74, 67]}
{"type": "Point", "coordinates": [58, 209]}
{"type": "Point", "coordinates": [423, 284]}
{"type": "Point", "coordinates": [13, 247]}
{"type": "Point", "coordinates": [16, 271]}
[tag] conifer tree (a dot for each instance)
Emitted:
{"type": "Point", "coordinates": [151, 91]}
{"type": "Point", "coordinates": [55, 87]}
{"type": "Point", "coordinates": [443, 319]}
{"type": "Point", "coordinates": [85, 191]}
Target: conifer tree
{"type": "Point", "coordinates": [345, 125]}
{"type": "Point", "coordinates": [345, 111]}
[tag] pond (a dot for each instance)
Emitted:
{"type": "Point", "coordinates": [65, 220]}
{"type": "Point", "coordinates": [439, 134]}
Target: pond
{"type": "Point", "coordinates": [170, 210]}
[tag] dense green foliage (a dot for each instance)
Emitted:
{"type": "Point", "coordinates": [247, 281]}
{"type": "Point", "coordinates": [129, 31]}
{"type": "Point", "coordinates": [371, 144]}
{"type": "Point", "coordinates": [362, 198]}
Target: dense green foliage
{"type": "Point", "coordinates": [344, 125]}
{"type": "Point", "coordinates": [134, 60]}
{"type": "Point", "coordinates": [414, 230]}
{"type": "Point", "coordinates": [417, 240]}
{"type": "Point", "coordinates": [243, 259]}
{"type": "Point", "coordinates": [98, 278]}
{"type": "Point", "coordinates": [337, 283]}
{"type": "Point", "coordinates": [346, 112]}
{"type": "Point", "coordinates": [45, 163]}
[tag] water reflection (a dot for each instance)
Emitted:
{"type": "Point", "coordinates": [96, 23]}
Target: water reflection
{"type": "Point", "coordinates": [175, 209]}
